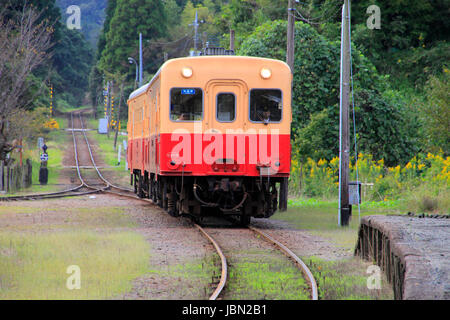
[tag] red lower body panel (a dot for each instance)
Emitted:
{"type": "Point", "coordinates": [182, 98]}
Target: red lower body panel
{"type": "Point", "coordinates": [174, 154]}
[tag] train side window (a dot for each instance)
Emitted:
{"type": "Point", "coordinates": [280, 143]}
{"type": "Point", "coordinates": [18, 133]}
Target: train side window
{"type": "Point", "coordinates": [226, 107]}
{"type": "Point", "coordinates": [186, 104]}
{"type": "Point", "coordinates": [266, 105]}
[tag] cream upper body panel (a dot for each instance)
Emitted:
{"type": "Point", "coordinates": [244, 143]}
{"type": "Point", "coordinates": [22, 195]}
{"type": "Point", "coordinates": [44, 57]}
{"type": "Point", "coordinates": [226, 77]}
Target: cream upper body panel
{"type": "Point", "coordinates": [233, 75]}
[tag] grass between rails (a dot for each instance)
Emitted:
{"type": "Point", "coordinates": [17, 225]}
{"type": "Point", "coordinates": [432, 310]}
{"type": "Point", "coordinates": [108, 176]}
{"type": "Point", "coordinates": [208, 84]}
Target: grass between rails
{"type": "Point", "coordinates": [258, 276]}
{"type": "Point", "coordinates": [33, 263]}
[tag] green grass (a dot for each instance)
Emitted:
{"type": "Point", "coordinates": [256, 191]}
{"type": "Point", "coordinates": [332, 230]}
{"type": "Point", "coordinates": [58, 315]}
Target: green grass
{"type": "Point", "coordinates": [256, 275]}
{"type": "Point", "coordinates": [195, 274]}
{"type": "Point", "coordinates": [106, 146]}
{"type": "Point", "coordinates": [321, 217]}
{"type": "Point", "coordinates": [33, 266]}
{"type": "Point", "coordinates": [68, 109]}
{"type": "Point", "coordinates": [34, 257]}
{"type": "Point", "coordinates": [56, 142]}
{"type": "Point", "coordinates": [345, 280]}
{"type": "Point", "coordinates": [62, 122]}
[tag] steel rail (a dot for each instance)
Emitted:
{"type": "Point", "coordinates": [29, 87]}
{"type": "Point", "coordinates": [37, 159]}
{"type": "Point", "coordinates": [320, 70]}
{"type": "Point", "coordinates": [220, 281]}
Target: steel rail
{"type": "Point", "coordinates": [75, 149]}
{"type": "Point", "coordinates": [223, 259]}
{"type": "Point", "coordinates": [308, 274]}
{"type": "Point", "coordinates": [109, 184]}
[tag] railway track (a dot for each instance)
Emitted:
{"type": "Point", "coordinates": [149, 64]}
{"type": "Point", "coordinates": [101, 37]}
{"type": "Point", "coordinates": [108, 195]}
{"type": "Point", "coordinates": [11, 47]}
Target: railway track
{"type": "Point", "coordinates": [278, 245]}
{"type": "Point", "coordinates": [113, 189]}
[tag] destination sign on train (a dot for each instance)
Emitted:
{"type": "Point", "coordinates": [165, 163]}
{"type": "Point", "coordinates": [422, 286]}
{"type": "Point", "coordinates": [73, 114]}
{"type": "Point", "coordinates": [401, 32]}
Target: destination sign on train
{"type": "Point", "coordinates": [188, 91]}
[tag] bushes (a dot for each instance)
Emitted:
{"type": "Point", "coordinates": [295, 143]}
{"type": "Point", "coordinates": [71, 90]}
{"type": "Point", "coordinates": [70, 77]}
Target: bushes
{"type": "Point", "coordinates": [425, 179]}
{"type": "Point", "coordinates": [383, 126]}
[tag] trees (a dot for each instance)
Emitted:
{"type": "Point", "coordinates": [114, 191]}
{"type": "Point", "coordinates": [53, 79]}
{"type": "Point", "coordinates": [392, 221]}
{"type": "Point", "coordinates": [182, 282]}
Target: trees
{"type": "Point", "coordinates": [382, 128]}
{"type": "Point", "coordinates": [24, 45]}
{"type": "Point", "coordinates": [72, 59]}
{"type": "Point", "coordinates": [92, 16]}
{"type": "Point", "coordinates": [437, 113]}
{"type": "Point", "coordinates": [129, 19]}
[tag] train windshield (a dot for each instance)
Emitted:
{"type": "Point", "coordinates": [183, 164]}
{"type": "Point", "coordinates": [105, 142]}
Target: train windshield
{"type": "Point", "coordinates": [186, 104]}
{"type": "Point", "coordinates": [226, 107]}
{"type": "Point", "coordinates": [266, 105]}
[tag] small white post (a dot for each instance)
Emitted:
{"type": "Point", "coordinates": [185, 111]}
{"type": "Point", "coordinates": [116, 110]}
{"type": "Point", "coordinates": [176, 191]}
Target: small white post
{"type": "Point", "coordinates": [118, 154]}
{"type": "Point", "coordinates": [125, 149]}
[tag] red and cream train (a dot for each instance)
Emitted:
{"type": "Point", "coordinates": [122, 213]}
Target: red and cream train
{"type": "Point", "coordinates": [211, 135]}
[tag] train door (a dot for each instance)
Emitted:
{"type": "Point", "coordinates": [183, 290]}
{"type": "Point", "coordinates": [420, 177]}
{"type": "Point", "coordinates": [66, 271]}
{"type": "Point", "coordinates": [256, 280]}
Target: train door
{"type": "Point", "coordinates": [226, 114]}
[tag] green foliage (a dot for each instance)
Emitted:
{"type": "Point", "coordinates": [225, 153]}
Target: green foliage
{"type": "Point", "coordinates": [380, 117]}
{"type": "Point", "coordinates": [92, 16]}
{"type": "Point", "coordinates": [72, 60]}
{"type": "Point", "coordinates": [109, 13]}
{"type": "Point", "coordinates": [424, 180]}
{"type": "Point", "coordinates": [129, 19]}
{"type": "Point", "coordinates": [70, 56]}
{"type": "Point", "coordinates": [411, 44]}
{"type": "Point", "coordinates": [404, 23]}
{"type": "Point", "coordinates": [437, 113]}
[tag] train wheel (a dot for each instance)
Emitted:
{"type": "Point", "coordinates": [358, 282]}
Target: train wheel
{"type": "Point", "coordinates": [141, 193]}
{"type": "Point", "coordinates": [244, 220]}
{"type": "Point", "coordinates": [165, 201]}
{"type": "Point", "coordinates": [160, 193]}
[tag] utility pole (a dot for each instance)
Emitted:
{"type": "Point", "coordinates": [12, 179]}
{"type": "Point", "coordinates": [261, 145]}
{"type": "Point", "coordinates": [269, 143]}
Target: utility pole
{"type": "Point", "coordinates": [140, 60]}
{"type": "Point", "coordinates": [290, 51]}
{"type": "Point", "coordinates": [118, 116]}
{"type": "Point", "coordinates": [290, 36]}
{"type": "Point", "coordinates": [344, 138]}
{"type": "Point", "coordinates": [196, 31]}
{"type": "Point", "coordinates": [108, 111]}
{"type": "Point", "coordinates": [232, 37]}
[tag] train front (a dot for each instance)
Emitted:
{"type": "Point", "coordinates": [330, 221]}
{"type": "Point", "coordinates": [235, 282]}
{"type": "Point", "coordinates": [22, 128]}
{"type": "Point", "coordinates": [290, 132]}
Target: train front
{"type": "Point", "coordinates": [225, 146]}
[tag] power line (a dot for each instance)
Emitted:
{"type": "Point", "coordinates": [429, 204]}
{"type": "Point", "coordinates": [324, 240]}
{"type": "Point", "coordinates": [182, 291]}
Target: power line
{"type": "Point", "coordinates": [310, 20]}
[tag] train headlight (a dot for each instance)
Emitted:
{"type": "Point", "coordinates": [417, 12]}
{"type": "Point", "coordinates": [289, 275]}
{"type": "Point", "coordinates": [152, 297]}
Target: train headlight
{"type": "Point", "coordinates": [187, 72]}
{"type": "Point", "coordinates": [266, 73]}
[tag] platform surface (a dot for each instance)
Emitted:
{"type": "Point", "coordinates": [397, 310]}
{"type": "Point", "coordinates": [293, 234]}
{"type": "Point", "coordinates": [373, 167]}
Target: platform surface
{"type": "Point", "coordinates": [424, 246]}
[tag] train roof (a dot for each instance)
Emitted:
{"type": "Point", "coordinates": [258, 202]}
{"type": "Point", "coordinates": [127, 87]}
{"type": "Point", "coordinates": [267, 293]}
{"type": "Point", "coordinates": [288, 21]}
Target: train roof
{"type": "Point", "coordinates": [144, 88]}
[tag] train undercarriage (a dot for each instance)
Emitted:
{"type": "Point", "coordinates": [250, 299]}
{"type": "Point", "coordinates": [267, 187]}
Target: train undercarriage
{"type": "Point", "coordinates": [239, 197]}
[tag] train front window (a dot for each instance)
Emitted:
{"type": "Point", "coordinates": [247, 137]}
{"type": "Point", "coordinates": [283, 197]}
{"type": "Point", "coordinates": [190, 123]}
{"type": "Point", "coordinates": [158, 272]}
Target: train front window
{"type": "Point", "coordinates": [266, 105]}
{"type": "Point", "coordinates": [186, 104]}
{"type": "Point", "coordinates": [226, 107]}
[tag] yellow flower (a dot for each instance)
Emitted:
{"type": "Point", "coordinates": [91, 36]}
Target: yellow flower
{"type": "Point", "coordinates": [334, 161]}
